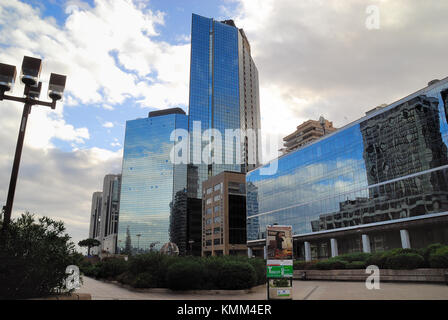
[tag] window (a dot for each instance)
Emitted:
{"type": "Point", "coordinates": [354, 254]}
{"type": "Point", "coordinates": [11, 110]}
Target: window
{"type": "Point", "coordinates": [209, 221]}
{"type": "Point", "coordinates": [216, 241]}
{"type": "Point", "coordinates": [217, 219]}
{"type": "Point", "coordinates": [209, 190]}
{"type": "Point", "coordinates": [208, 232]}
{"type": "Point", "coordinates": [208, 201]}
{"type": "Point", "coordinates": [208, 242]}
{"type": "Point", "coordinates": [217, 230]}
{"type": "Point", "coordinates": [217, 197]}
{"type": "Point", "coordinates": [217, 187]}
{"type": "Point", "coordinates": [208, 211]}
{"type": "Point", "coordinates": [217, 208]}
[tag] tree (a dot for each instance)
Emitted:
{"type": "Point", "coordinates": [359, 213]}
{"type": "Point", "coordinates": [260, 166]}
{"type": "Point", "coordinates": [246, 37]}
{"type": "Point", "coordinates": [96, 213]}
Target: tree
{"type": "Point", "coordinates": [89, 243]}
{"type": "Point", "coordinates": [128, 245]}
{"type": "Point", "coordinates": [34, 256]}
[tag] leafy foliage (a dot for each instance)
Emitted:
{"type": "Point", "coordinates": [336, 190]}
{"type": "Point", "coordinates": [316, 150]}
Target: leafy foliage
{"type": "Point", "coordinates": [33, 257]}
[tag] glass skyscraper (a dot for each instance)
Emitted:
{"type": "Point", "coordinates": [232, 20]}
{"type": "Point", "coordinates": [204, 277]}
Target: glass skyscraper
{"type": "Point", "coordinates": [223, 95]}
{"type": "Point", "coordinates": [150, 180]}
{"type": "Point", "coordinates": [384, 176]}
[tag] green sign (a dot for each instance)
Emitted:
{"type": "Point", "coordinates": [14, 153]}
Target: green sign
{"type": "Point", "coordinates": [279, 271]}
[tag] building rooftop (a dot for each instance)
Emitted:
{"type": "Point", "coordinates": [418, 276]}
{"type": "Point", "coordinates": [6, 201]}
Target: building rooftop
{"type": "Point", "coordinates": [164, 112]}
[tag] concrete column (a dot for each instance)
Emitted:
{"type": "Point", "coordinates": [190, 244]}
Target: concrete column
{"type": "Point", "coordinates": [334, 247]}
{"type": "Point", "coordinates": [405, 242]}
{"type": "Point", "coordinates": [249, 252]}
{"type": "Point", "coordinates": [366, 243]}
{"type": "Point", "coordinates": [307, 251]}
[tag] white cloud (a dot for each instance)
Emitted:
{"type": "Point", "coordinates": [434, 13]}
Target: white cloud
{"type": "Point", "coordinates": [106, 51]}
{"type": "Point", "coordinates": [108, 124]}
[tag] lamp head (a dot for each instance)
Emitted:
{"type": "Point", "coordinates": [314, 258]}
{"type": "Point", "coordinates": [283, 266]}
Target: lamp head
{"type": "Point", "coordinates": [7, 77]}
{"type": "Point", "coordinates": [56, 86]}
{"type": "Point", "coordinates": [33, 92]}
{"type": "Point", "coordinates": [31, 70]}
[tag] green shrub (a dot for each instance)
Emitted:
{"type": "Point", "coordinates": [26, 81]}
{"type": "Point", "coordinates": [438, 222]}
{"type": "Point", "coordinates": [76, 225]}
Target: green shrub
{"type": "Point", "coordinates": [356, 265]}
{"type": "Point", "coordinates": [259, 266]}
{"type": "Point", "coordinates": [426, 252]}
{"type": "Point", "coordinates": [110, 268]}
{"type": "Point", "coordinates": [331, 264]}
{"type": "Point", "coordinates": [33, 258]}
{"type": "Point", "coordinates": [185, 275]}
{"type": "Point", "coordinates": [303, 265]}
{"type": "Point", "coordinates": [236, 275]}
{"type": "Point", "coordinates": [144, 280]}
{"type": "Point", "coordinates": [356, 256]}
{"type": "Point", "coordinates": [404, 261]}
{"type": "Point", "coordinates": [439, 258]}
{"type": "Point", "coordinates": [153, 263]}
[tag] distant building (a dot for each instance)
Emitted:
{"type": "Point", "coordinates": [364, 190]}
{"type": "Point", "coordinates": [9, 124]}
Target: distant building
{"type": "Point", "coordinates": [305, 133]}
{"type": "Point", "coordinates": [224, 215]}
{"type": "Point", "coordinates": [95, 218]}
{"type": "Point", "coordinates": [109, 212]}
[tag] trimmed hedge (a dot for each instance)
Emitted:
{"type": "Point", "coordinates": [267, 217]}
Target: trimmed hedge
{"type": "Point", "coordinates": [155, 270]}
{"type": "Point", "coordinates": [434, 256]}
{"type": "Point", "coordinates": [439, 258]}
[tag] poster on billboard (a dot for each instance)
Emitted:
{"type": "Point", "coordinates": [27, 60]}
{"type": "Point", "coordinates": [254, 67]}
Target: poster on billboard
{"type": "Point", "coordinates": [279, 242]}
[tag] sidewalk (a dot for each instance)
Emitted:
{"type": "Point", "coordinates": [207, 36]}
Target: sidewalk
{"type": "Point", "coordinates": [303, 290]}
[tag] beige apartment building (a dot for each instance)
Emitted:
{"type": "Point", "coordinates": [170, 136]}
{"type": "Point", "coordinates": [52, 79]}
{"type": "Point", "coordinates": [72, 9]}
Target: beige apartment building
{"type": "Point", "coordinates": [305, 133]}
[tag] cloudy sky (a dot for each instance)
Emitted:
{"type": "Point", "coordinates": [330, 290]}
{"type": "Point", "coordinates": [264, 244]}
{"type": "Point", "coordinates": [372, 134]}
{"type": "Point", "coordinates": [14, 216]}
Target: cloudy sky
{"type": "Point", "coordinates": [124, 58]}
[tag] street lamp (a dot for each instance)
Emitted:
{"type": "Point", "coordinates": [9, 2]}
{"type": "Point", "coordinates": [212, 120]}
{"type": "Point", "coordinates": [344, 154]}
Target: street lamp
{"type": "Point", "coordinates": [29, 75]}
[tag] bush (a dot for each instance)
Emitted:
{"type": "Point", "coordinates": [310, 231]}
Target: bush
{"type": "Point", "coordinates": [304, 265]}
{"type": "Point", "coordinates": [259, 266]}
{"type": "Point", "coordinates": [33, 258]}
{"type": "Point", "coordinates": [110, 268]}
{"type": "Point", "coordinates": [144, 280]}
{"type": "Point", "coordinates": [153, 263]}
{"type": "Point", "coordinates": [439, 258]}
{"type": "Point", "coordinates": [404, 261]}
{"type": "Point", "coordinates": [356, 256]}
{"type": "Point", "coordinates": [186, 275]}
{"type": "Point", "coordinates": [331, 264]}
{"type": "Point", "coordinates": [356, 265]}
{"type": "Point", "coordinates": [428, 251]}
{"type": "Point", "coordinates": [235, 275]}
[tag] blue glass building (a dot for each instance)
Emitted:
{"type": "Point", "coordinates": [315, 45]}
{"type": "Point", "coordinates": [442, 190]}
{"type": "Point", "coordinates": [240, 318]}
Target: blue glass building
{"type": "Point", "coordinates": [223, 95]}
{"type": "Point", "coordinates": [375, 184]}
{"type": "Point", "coordinates": [151, 182]}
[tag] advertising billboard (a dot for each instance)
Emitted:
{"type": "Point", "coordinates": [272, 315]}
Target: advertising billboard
{"type": "Point", "coordinates": [279, 242]}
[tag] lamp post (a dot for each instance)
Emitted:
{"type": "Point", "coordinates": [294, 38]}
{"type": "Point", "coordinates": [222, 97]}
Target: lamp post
{"type": "Point", "coordinates": [30, 73]}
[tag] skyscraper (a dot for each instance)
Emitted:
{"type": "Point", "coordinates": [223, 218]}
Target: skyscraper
{"type": "Point", "coordinates": [224, 95]}
{"type": "Point", "coordinates": [109, 212]}
{"type": "Point", "coordinates": [150, 180]}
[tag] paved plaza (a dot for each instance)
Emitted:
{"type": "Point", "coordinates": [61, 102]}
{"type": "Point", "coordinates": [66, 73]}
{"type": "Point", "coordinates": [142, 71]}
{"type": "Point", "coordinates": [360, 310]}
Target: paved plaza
{"type": "Point", "coordinates": [303, 290]}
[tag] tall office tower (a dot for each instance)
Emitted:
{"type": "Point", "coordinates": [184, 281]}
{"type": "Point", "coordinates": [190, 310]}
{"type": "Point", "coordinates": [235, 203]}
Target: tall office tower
{"type": "Point", "coordinates": [95, 218]}
{"type": "Point", "coordinates": [109, 212]}
{"type": "Point", "coordinates": [152, 184]}
{"type": "Point", "coordinates": [224, 95]}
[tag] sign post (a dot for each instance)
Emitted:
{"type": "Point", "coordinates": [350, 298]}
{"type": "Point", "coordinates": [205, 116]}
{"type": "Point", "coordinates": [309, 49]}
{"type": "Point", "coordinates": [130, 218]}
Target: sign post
{"type": "Point", "coordinates": [279, 266]}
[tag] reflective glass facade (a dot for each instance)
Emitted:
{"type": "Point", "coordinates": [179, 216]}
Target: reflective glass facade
{"type": "Point", "coordinates": [387, 166]}
{"type": "Point", "coordinates": [215, 86]}
{"type": "Point", "coordinates": [151, 183]}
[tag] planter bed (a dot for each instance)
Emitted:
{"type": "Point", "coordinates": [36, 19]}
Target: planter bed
{"type": "Point", "coordinates": [414, 275]}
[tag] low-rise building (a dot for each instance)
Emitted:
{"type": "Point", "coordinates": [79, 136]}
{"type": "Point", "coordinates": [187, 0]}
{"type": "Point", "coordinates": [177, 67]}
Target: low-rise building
{"type": "Point", "coordinates": [224, 214]}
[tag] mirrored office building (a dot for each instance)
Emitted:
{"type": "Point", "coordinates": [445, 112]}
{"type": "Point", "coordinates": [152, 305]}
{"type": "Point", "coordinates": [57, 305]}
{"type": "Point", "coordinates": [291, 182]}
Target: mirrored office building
{"type": "Point", "coordinates": [152, 184]}
{"type": "Point", "coordinates": [375, 184]}
{"type": "Point", "coordinates": [224, 95]}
